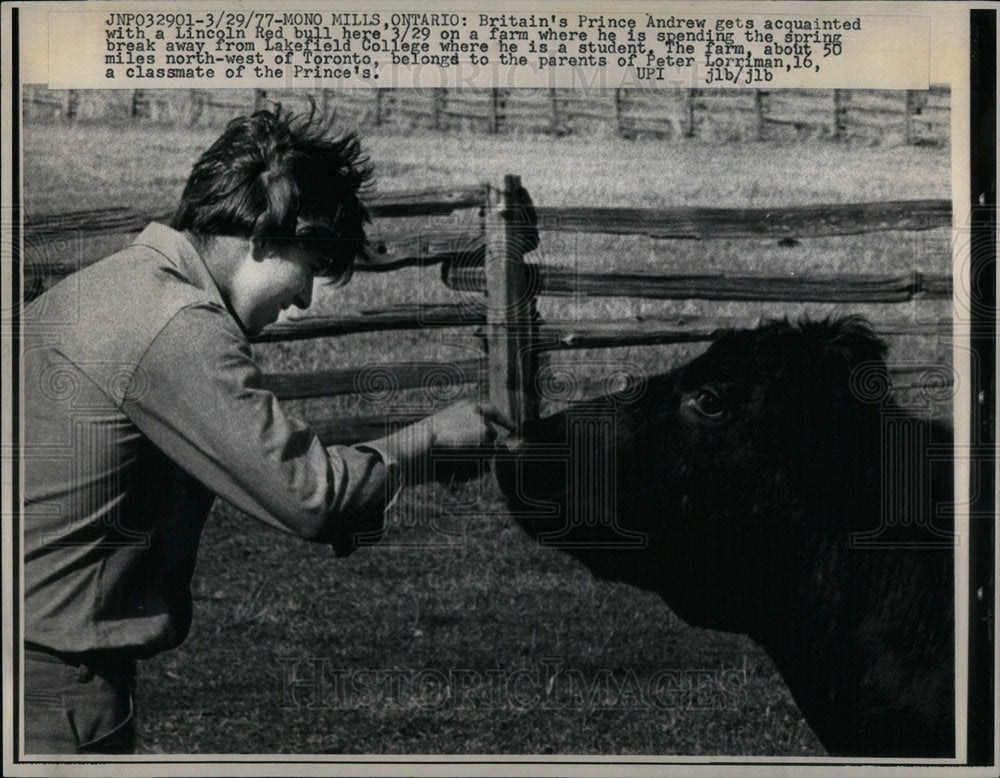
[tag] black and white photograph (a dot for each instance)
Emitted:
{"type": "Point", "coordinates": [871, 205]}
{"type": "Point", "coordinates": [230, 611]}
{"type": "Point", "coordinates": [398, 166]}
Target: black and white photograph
{"type": "Point", "coordinates": [364, 425]}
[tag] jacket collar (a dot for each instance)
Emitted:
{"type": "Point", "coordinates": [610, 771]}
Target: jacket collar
{"type": "Point", "coordinates": [182, 254]}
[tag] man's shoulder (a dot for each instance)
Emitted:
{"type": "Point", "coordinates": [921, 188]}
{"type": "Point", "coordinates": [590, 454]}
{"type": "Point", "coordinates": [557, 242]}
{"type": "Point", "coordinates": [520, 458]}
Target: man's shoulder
{"type": "Point", "coordinates": [145, 274]}
{"type": "Point", "coordinates": [113, 310]}
{"type": "Point", "coordinates": [150, 271]}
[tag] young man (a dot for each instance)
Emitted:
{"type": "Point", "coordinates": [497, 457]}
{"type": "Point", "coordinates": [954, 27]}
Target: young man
{"type": "Point", "coordinates": [143, 402]}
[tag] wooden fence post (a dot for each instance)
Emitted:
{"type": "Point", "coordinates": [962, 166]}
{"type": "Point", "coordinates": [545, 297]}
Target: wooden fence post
{"type": "Point", "coordinates": [72, 104]}
{"type": "Point", "coordinates": [909, 113]}
{"type": "Point", "coordinates": [839, 115]}
{"type": "Point", "coordinates": [619, 127]}
{"type": "Point", "coordinates": [510, 304]}
{"type": "Point", "coordinates": [689, 130]}
{"type": "Point", "coordinates": [378, 118]}
{"type": "Point", "coordinates": [758, 101]}
{"type": "Point", "coordinates": [440, 105]}
{"type": "Point", "coordinates": [259, 98]}
{"type": "Point", "coordinates": [916, 100]}
{"type": "Point", "coordinates": [197, 106]}
{"type": "Point", "coordinates": [494, 126]}
{"type": "Point", "coordinates": [138, 102]}
{"type": "Point", "coordinates": [554, 121]}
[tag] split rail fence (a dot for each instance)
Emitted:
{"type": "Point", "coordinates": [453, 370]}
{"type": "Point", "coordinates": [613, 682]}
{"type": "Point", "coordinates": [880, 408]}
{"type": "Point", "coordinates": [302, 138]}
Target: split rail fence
{"type": "Point", "coordinates": [913, 116]}
{"type": "Point", "coordinates": [491, 260]}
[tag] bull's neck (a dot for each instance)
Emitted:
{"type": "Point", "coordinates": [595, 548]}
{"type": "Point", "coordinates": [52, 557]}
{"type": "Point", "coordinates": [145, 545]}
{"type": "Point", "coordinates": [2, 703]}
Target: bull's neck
{"type": "Point", "coordinates": [864, 642]}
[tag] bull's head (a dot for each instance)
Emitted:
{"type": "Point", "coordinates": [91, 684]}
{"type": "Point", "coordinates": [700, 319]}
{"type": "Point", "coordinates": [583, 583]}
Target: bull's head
{"type": "Point", "coordinates": [695, 486]}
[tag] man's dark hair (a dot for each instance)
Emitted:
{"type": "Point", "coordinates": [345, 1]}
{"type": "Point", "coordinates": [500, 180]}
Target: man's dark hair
{"type": "Point", "coordinates": [277, 176]}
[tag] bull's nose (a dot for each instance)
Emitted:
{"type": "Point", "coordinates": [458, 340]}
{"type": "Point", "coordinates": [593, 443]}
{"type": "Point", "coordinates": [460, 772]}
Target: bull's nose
{"type": "Point", "coordinates": [545, 430]}
{"type": "Point", "coordinates": [525, 465]}
{"type": "Point", "coordinates": [505, 467]}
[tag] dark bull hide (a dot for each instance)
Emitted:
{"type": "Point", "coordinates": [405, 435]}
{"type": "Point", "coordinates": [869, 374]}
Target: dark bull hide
{"type": "Point", "coordinates": [771, 487]}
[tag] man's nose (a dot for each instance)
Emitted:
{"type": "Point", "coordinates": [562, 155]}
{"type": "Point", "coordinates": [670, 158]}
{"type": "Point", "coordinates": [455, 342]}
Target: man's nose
{"type": "Point", "coordinates": [304, 298]}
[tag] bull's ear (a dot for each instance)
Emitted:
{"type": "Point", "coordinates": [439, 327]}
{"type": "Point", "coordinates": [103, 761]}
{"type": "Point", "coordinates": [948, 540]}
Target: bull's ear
{"type": "Point", "coordinates": [854, 358]}
{"type": "Point", "coordinates": [850, 342]}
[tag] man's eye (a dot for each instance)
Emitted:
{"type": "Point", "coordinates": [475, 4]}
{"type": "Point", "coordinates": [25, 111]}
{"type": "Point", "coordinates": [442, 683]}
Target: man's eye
{"type": "Point", "coordinates": [708, 403]}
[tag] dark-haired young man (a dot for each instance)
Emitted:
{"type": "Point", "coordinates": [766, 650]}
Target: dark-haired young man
{"type": "Point", "coordinates": [143, 402]}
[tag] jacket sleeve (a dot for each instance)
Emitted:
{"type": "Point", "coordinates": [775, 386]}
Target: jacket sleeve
{"type": "Point", "coordinates": [196, 394]}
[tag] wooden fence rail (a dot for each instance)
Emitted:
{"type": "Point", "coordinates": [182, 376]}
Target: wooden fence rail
{"type": "Point", "coordinates": [682, 222]}
{"type": "Point", "coordinates": [404, 317]}
{"type": "Point", "coordinates": [856, 288]}
{"type": "Point", "coordinates": [416, 202]}
{"type": "Point", "coordinates": [379, 381]}
{"type": "Point", "coordinates": [373, 379]}
{"type": "Point", "coordinates": [387, 253]}
{"type": "Point", "coordinates": [672, 330]}
{"type": "Point", "coordinates": [356, 429]}
{"type": "Point", "coordinates": [697, 223]}
{"type": "Point", "coordinates": [467, 247]}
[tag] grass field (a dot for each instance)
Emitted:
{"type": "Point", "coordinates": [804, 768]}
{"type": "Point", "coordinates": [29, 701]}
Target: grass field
{"type": "Point", "coordinates": [457, 634]}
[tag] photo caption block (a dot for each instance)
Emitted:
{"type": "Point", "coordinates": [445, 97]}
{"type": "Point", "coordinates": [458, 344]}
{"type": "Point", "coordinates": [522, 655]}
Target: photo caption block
{"type": "Point", "coordinates": [637, 45]}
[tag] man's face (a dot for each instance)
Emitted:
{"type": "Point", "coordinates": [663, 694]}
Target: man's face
{"type": "Point", "coordinates": [269, 280]}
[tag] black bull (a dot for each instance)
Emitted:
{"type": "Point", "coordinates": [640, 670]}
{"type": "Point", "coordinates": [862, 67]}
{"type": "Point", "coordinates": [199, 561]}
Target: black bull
{"type": "Point", "coordinates": [767, 488]}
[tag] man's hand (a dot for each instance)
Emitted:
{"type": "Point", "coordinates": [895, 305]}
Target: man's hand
{"type": "Point", "coordinates": [467, 424]}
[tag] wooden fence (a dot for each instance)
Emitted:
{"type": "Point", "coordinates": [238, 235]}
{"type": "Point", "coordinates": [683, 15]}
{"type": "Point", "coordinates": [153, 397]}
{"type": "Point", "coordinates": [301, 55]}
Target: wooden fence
{"type": "Point", "coordinates": [491, 259]}
{"type": "Point", "coordinates": [914, 117]}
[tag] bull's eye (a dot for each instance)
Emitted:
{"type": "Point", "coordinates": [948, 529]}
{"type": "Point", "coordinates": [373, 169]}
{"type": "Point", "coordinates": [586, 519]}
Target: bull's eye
{"type": "Point", "coordinates": [708, 403]}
